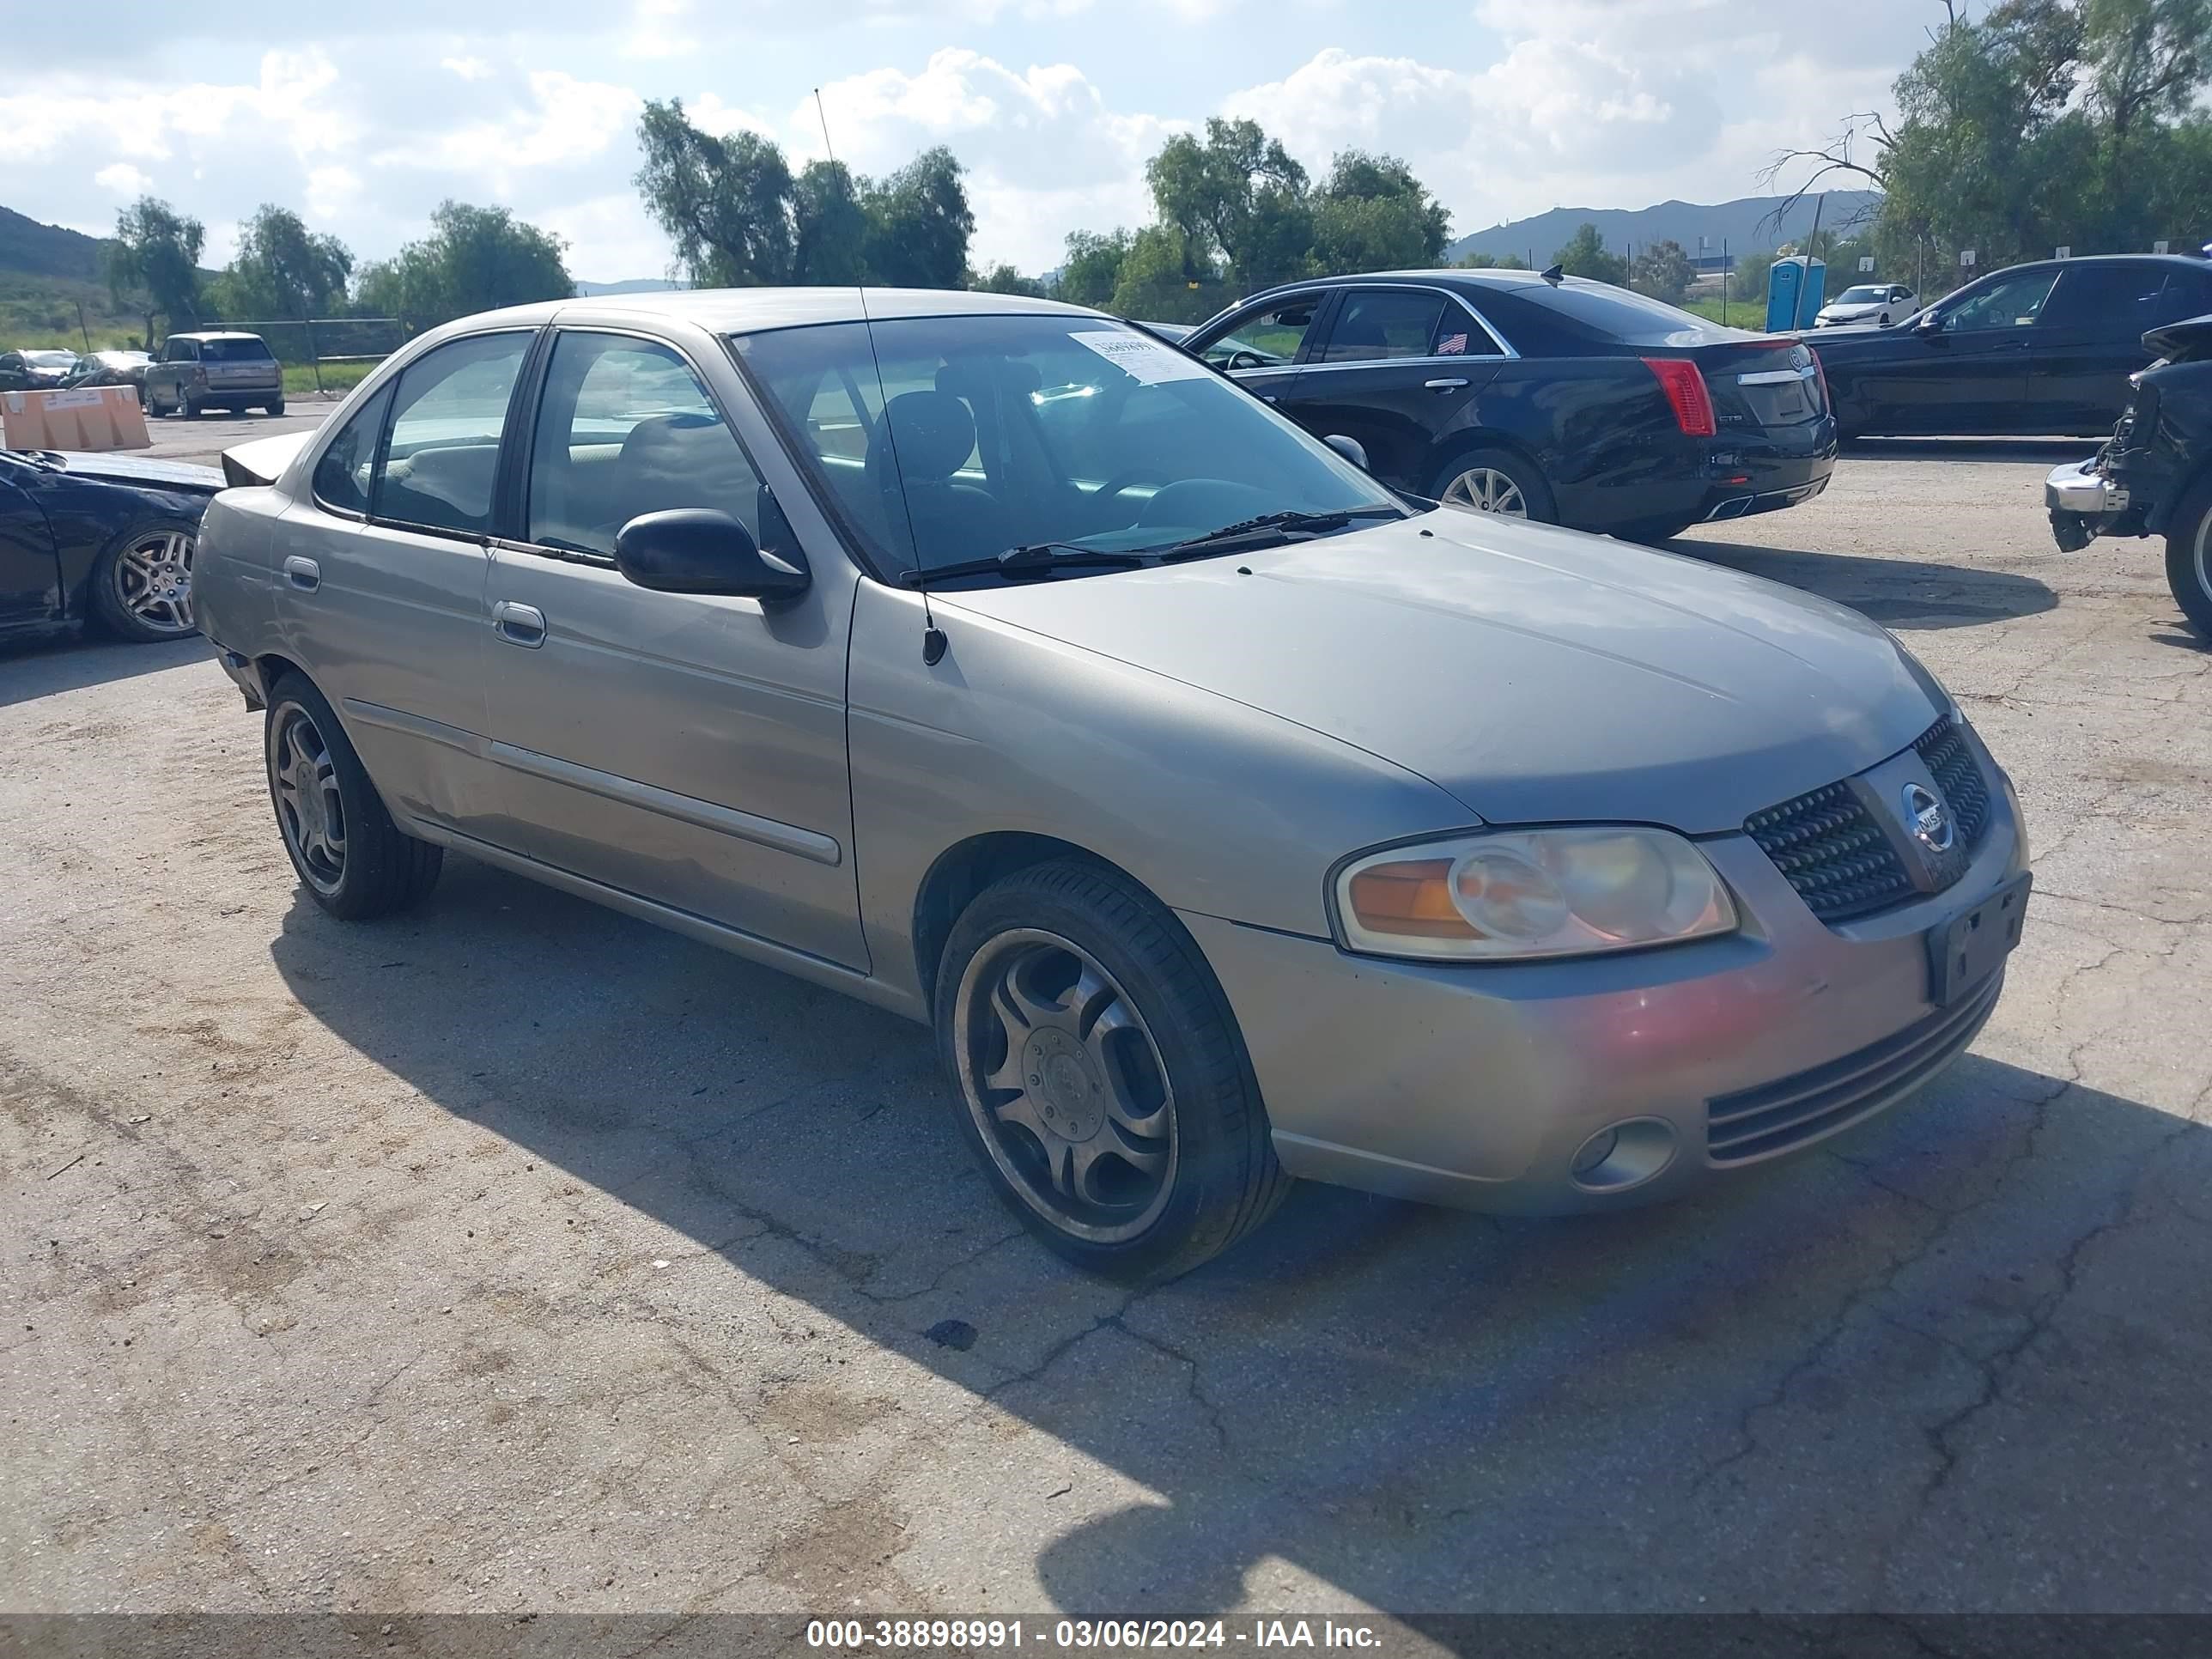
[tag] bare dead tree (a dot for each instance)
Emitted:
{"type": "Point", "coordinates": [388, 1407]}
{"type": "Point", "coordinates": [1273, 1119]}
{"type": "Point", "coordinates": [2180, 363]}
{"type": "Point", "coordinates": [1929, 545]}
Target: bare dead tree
{"type": "Point", "coordinates": [1856, 151]}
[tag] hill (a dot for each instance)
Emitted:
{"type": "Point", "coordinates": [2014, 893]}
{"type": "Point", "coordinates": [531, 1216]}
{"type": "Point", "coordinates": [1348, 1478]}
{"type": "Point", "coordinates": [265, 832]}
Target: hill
{"type": "Point", "coordinates": [39, 250]}
{"type": "Point", "coordinates": [1746, 223]}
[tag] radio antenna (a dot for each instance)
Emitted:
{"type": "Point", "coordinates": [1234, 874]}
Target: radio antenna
{"type": "Point", "coordinates": [933, 637]}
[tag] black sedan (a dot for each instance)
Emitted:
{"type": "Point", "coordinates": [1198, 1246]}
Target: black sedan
{"type": "Point", "coordinates": [2041, 349]}
{"type": "Point", "coordinates": [106, 538]}
{"type": "Point", "coordinates": [1538, 395]}
{"type": "Point", "coordinates": [35, 370]}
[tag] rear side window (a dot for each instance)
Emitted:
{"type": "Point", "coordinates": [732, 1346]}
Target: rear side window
{"type": "Point", "coordinates": [624, 428]}
{"type": "Point", "coordinates": [449, 413]}
{"type": "Point", "coordinates": [181, 351]}
{"type": "Point", "coordinates": [2121, 300]}
{"type": "Point", "coordinates": [2187, 294]}
{"type": "Point", "coordinates": [1376, 323]}
{"type": "Point", "coordinates": [342, 476]}
{"type": "Point", "coordinates": [248, 350]}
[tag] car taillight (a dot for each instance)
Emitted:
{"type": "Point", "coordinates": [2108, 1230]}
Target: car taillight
{"type": "Point", "coordinates": [1820, 370]}
{"type": "Point", "coordinates": [1686, 392]}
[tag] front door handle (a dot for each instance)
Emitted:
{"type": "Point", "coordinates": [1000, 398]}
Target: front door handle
{"type": "Point", "coordinates": [303, 573]}
{"type": "Point", "coordinates": [1443, 385]}
{"type": "Point", "coordinates": [518, 624]}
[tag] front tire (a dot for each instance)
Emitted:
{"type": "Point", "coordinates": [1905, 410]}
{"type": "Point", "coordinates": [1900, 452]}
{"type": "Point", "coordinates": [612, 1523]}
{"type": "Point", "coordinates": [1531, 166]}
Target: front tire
{"type": "Point", "coordinates": [1102, 1081]}
{"type": "Point", "coordinates": [2188, 558]}
{"type": "Point", "coordinates": [142, 582]}
{"type": "Point", "coordinates": [1497, 480]}
{"type": "Point", "coordinates": [351, 858]}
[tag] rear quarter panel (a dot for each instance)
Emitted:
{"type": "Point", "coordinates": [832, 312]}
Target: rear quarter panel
{"type": "Point", "coordinates": [233, 591]}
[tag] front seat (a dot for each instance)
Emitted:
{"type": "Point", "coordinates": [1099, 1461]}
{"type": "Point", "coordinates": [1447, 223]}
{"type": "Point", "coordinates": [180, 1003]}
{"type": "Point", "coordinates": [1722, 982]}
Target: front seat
{"type": "Point", "coordinates": [923, 439]}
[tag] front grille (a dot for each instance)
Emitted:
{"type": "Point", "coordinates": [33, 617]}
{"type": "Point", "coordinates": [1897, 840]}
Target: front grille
{"type": "Point", "coordinates": [1756, 1123]}
{"type": "Point", "coordinates": [1832, 852]}
{"type": "Point", "coordinates": [1944, 751]}
{"type": "Point", "coordinates": [1840, 860]}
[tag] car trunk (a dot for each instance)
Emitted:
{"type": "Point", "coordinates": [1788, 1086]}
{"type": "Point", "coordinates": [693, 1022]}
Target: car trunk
{"type": "Point", "coordinates": [1762, 386]}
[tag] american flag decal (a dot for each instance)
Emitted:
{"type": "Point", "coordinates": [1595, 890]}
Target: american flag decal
{"type": "Point", "coordinates": [1451, 345]}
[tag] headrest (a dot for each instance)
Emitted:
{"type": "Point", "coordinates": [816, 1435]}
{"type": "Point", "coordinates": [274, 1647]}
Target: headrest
{"type": "Point", "coordinates": [933, 433]}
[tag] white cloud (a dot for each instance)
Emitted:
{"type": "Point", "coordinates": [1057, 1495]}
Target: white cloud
{"type": "Point", "coordinates": [570, 120]}
{"type": "Point", "coordinates": [656, 30]}
{"type": "Point", "coordinates": [469, 69]}
{"type": "Point", "coordinates": [122, 178]}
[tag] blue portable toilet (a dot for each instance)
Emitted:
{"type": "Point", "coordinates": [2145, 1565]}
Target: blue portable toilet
{"type": "Point", "coordinates": [1797, 287]}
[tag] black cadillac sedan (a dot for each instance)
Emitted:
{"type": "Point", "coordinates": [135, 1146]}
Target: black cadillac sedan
{"type": "Point", "coordinates": [101, 538]}
{"type": "Point", "coordinates": [1538, 395]}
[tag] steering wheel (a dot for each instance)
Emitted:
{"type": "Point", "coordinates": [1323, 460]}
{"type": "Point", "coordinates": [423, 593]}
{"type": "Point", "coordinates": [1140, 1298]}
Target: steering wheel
{"type": "Point", "coordinates": [1245, 359]}
{"type": "Point", "coordinates": [1121, 481]}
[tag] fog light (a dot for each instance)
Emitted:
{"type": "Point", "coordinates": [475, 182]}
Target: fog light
{"type": "Point", "coordinates": [1624, 1155]}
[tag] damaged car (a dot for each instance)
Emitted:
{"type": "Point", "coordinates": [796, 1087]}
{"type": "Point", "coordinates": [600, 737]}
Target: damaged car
{"type": "Point", "coordinates": [2153, 476]}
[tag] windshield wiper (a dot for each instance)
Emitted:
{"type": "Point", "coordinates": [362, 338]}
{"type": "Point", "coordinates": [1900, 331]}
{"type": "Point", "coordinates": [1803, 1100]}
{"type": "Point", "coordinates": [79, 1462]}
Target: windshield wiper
{"type": "Point", "coordinates": [1025, 561]}
{"type": "Point", "coordinates": [1272, 524]}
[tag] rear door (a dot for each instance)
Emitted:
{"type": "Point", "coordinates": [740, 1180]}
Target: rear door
{"type": "Point", "coordinates": [380, 575]}
{"type": "Point", "coordinates": [1398, 365]}
{"type": "Point", "coordinates": [687, 749]}
{"type": "Point", "coordinates": [2086, 341]}
{"type": "Point", "coordinates": [30, 577]}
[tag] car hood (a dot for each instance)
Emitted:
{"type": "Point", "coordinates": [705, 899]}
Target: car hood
{"type": "Point", "coordinates": [138, 469]}
{"type": "Point", "coordinates": [1536, 674]}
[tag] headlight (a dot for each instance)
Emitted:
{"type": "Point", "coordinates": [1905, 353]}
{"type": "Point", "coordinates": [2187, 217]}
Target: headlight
{"type": "Point", "coordinates": [1513, 895]}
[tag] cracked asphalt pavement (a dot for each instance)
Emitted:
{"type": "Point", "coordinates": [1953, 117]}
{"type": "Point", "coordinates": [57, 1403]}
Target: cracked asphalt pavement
{"type": "Point", "coordinates": [517, 1256]}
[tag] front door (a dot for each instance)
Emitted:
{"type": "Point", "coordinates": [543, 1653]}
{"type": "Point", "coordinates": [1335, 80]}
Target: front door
{"type": "Point", "coordinates": [1967, 372]}
{"type": "Point", "coordinates": [30, 580]}
{"type": "Point", "coordinates": [1398, 367]}
{"type": "Point", "coordinates": [687, 749]}
{"type": "Point", "coordinates": [1260, 348]}
{"type": "Point", "coordinates": [380, 574]}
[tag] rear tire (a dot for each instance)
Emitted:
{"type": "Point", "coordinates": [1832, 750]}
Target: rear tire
{"type": "Point", "coordinates": [1101, 1080]}
{"type": "Point", "coordinates": [193, 407]}
{"type": "Point", "coordinates": [351, 858]}
{"type": "Point", "coordinates": [2188, 558]}
{"type": "Point", "coordinates": [1494, 480]}
{"type": "Point", "coordinates": [276, 409]}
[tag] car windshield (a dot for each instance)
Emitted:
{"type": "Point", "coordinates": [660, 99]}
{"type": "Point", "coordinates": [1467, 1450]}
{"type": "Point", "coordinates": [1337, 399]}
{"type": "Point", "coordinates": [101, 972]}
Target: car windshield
{"type": "Point", "coordinates": [234, 351]}
{"type": "Point", "coordinates": [1019, 431]}
{"type": "Point", "coordinates": [1860, 296]}
{"type": "Point", "coordinates": [1616, 315]}
{"type": "Point", "coordinates": [50, 359]}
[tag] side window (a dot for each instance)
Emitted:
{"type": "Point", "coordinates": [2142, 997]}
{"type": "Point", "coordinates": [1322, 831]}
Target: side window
{"type": "Point", "coordinates": [624, 428]}
{"type": "Point", "coordinates": [2120, 301]}
{"type": "Point", "coordinates": [1377, 324]}
{"type": "Point", "coordinates": [2187, 294]}
{"type": "Point", "coordinates": [342, 475]}
{"type": "Point", "coordinates": [1265, 339]}
{"type": "Point", "coordinates": [449, 411]}
{"type": "Point", "coordinates": [2007, 303]}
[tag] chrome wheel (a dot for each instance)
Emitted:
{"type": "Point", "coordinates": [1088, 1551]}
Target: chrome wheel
{"type": "Point", "coordinates": [2203, 559]}
{"type": "Point", "coordinates": [153, 580]}
{"type": "Point", "coordinates": [304, 780]}
{"type": "Point", "coordinates": [1065, 1085]}
{"type": "Point", "coordinates": [1488, 490]}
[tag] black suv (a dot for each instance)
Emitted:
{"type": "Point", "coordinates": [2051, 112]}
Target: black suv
{"type": "Point", "coordinates": [1537, 396]}
{"type": "Point", "coordinates": [2042, 349]}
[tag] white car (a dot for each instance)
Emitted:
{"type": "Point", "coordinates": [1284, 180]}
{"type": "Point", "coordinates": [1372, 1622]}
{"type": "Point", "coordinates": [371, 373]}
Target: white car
{"type": "Point", "coordinates": [1878, 303]}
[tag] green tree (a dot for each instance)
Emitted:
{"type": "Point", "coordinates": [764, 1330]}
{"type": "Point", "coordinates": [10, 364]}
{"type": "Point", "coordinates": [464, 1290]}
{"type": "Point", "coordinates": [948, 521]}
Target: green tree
{"type": "Point", "coordinates": [475, 258]}
{"type": "Point", "coordinates": [724, 203]}
{"type": "Point", "coordinates": [1373, 215]}
{"type": "Point", "coordinates": [1585, 255]}
{"type": "Point", "coordinates": [1663, 271]}
{"type": "Point", "coordinates": [282, 268]}
{"type": "Point", "coordinates": [1164, 280]}
{"type": "Point", "coordinates": [1093, 266]}
{"type": "Point", "coordinates": [1748, 281]}
{"type": "Point", "coordinates": [829, 226]}
{"type": "Point", "coordinates": [154, 264]}
{"type": "Point", "coordinates": [919, 223]}
{"type": "Point", "coordinates": [1493, 262]}
{"type": "Point", "coordinates": [1237, 192]}
{"type": "Point", "coordinates": [1003, 278]}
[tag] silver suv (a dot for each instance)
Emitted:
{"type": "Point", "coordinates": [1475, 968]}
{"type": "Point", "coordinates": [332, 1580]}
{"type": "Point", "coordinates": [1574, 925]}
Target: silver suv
{"type": "Point", "coordinates": [214, 371]}
{"type": "Point", "coordinates": [1227, 816]}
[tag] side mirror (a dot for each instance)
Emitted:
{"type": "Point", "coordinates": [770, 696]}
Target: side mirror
{"type": "Point", "coordinates": [1929, 326]}
{"type": "Point", "coordinates": [1350, 448]}
{"type": "Point", "coordinates": [696, 550]}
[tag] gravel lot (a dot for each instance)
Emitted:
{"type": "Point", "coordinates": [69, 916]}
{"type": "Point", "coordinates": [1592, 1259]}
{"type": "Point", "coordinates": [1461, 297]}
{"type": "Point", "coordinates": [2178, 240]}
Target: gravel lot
{"type": "Point", "coordinates": [516, 1255]}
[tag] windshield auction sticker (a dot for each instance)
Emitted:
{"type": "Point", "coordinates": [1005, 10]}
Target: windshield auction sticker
{"type": "Point", "coordinates": [1148, 361]}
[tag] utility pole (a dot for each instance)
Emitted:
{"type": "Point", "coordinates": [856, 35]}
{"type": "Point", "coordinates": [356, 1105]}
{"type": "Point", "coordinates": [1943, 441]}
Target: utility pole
{"type": "Point", "coordinates": [82, 330]}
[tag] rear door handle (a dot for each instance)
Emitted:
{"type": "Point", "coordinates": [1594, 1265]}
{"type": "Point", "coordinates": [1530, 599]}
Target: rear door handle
{"type": "Point", "coordinates": [1443, 385]}
{"type": "Point", "coordinates": [303, 573]}
{"type": "Point", "coordinates": [518, 624]}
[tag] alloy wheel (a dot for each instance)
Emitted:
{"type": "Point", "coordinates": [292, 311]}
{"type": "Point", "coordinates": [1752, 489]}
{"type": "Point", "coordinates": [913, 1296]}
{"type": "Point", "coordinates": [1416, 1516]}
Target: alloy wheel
{"type": "Point", "coordinates": [2203, 559]}
{"type": "Point", "coordinates": [1065, 1085]}
{"type": "Point", "coordinates": [304, 780]}
{"type": "Point", "coordinates": [153, 580]}
{"type": "Point", "coordinates": [1488, 490]}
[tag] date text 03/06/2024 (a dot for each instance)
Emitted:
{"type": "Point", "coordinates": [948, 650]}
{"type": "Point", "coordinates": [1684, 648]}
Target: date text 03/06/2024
{"type": "Point", "coordinates": [1087, 1635]}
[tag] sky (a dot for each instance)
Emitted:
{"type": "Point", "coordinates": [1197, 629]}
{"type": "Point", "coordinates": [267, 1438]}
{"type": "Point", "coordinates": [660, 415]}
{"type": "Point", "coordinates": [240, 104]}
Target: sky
{"type": "Point", "coordinates": [363, 117]}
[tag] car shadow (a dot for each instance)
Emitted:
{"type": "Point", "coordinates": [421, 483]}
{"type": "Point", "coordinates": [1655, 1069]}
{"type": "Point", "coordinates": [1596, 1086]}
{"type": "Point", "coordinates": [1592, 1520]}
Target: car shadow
{"type": "Point", "coordinates": [2049, 452]}
{"type": "Point", "coordinates": [1910, 594]}
{"type": "Point", "coordinates": [67, 663]}
{"type": "Point", "coordinates": [1426, 1409]}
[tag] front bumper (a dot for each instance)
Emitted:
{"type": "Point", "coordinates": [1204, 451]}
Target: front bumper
{"type": "Point", "coordinates": [2084, 504]}
{"type": "Point", "coordinates": [1476, 1086]}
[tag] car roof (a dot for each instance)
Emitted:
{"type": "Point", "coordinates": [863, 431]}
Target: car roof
{"type": "Point", "coordinates": [217, 334]}
{"type": "Point", "coordinates": [750, 310]}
